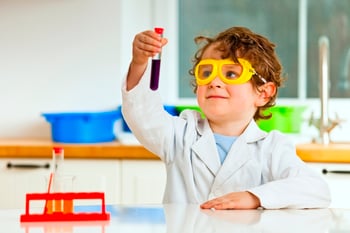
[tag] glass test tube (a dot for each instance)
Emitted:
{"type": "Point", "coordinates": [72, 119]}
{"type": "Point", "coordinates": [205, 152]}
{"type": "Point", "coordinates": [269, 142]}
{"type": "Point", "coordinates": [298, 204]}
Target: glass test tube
{"type": "Point", "coordinates": [59, 181]}
{"type": "Point", "coordinates": [57, 162]}
{"type": "Point", "coordinates": [156, 65]}
{"type": "Point", "coordinates": [58, 159]}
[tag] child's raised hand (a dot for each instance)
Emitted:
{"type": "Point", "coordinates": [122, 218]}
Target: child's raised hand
{"type": "Point", "coordinates": [145, 45]}
{"type": "Point", "coordinates": [234, 200]}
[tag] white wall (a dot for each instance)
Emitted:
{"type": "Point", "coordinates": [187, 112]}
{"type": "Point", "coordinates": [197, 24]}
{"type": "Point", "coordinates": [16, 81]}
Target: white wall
{"type": "Point", "coordinates": [65, 55]}
{"type": "Point", "coordinates": [71, 55]}
{"type": "Point", "coordinates": [56, 55]}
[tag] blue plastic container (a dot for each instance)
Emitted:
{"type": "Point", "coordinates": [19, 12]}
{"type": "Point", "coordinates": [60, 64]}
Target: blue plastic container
{"type": "Point", "coordinates": [169, 108]}
{"type": "Point", "coordinates": [83, 127]}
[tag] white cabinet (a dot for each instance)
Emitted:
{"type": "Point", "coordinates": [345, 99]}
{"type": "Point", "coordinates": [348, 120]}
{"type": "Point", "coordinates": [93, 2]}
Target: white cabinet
{"type": "Point", "coordinates": [123, 181]}
{"type": "Point", "coordinates": [143, 181]}
{"type": "Point", "coordinates": [90, 175]}
{"type": "Point", "coordinates": [15, 182]}
{"type": "Point", "coordinates": [96, 175]}
{"type": "Point", "coordinates": [338, 179]}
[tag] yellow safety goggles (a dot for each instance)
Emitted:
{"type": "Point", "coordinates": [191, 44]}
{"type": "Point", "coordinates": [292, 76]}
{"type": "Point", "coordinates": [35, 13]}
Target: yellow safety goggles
{"type": "Point", "coordinates": [227, 70]}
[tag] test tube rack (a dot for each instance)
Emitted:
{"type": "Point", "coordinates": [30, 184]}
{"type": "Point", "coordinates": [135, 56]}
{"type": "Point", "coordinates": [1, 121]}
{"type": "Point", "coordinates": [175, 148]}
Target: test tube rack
{"type": "Point", "coordinates": [61, 216]}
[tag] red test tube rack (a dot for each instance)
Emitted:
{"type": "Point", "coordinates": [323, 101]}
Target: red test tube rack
{"type": "Point", "coordinates": [64, 215]}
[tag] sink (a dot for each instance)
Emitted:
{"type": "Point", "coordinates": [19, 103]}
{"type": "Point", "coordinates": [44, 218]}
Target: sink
{"type": "Point", "coordinates": [335, 152]}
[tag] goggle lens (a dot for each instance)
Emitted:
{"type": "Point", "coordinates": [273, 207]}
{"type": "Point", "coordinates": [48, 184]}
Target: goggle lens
{"type": "Point", "coordinates": [228, 71]}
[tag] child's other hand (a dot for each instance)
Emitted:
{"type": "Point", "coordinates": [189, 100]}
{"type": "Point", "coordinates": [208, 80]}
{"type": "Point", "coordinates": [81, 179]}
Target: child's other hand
{"type": "Point", "coordinates": [234, 200]}
{"type": "Point", "coordinates": [145, 45]}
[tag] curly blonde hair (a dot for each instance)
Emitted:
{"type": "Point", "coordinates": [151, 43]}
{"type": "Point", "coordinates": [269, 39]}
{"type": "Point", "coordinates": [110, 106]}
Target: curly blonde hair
{"type": "Point", "coordinates": [259, 51]}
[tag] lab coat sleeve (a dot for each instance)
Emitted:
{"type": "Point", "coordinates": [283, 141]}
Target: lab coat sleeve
{"type": "Point", "coordinates": [294, 184]}
{"type": "Point", "coordinates": [144, 113]}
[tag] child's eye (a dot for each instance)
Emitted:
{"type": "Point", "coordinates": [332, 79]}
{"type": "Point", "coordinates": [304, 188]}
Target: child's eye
{"type": "Point", "coordinates": [206, 73]}
{"type": "Point", "coordinates": [232, 71]}
{"type": "Point", "coordinates": [231, 75]}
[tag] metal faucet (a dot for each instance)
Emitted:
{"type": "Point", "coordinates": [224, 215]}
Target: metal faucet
{"type": "Point", "coordinates": [323, 44]}
{"type": "Point", "coordinates": [324, 124]}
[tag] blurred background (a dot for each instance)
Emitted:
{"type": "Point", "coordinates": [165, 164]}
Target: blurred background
{"type": "Point", "coordinates": [71, 55]}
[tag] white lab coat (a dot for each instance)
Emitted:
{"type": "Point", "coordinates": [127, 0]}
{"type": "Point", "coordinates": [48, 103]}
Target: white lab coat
{"type": "Point", "coordinates": [263, 163]}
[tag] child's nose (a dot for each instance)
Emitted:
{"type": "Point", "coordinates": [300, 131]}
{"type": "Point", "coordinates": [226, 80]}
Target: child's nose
{"type": "Point", "coordinates": [216, 82]}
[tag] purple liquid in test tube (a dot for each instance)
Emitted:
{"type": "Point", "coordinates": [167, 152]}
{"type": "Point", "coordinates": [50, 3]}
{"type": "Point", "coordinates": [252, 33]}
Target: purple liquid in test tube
{"type": "Point", "coordinates": [156, 65]}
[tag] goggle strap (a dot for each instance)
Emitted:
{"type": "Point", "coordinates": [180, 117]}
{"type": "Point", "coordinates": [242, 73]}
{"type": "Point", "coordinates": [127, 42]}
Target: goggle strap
{"type": "Point", "coordinates": [261, 77]}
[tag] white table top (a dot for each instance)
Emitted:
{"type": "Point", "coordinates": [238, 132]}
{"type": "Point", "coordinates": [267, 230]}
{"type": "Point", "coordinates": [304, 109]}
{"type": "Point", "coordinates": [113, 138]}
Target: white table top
{"type": "Point", "coordinates": [190, 219]}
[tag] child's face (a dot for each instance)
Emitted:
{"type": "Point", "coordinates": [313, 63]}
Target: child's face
{"type": "Point", "coordinates": [223, 102]}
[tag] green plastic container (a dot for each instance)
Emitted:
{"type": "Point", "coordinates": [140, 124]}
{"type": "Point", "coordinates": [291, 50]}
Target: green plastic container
{"type": "Point", "coordinates": [287, 119]}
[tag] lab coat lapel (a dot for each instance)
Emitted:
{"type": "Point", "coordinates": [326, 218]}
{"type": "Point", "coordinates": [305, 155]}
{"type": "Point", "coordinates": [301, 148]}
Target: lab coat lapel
{"type": "Point", "coordinates": [205, 149]}
{"type": "Point", "coordinates": [239, 153]}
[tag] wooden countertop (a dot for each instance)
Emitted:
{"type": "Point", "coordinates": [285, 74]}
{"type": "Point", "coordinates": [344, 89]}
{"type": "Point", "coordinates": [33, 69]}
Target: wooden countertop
{"type": "Point", "coordinates": [41, 148]}
{"type": "Point", "coordinates": [332, 153]}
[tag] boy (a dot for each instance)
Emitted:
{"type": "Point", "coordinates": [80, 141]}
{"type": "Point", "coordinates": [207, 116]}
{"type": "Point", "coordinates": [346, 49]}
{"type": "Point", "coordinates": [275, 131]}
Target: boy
{"type": "Point", "coordinates": [223, 161]}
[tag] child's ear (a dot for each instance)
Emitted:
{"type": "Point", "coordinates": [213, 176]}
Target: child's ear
{"type": "Point", "coordinates": [265, 93]}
